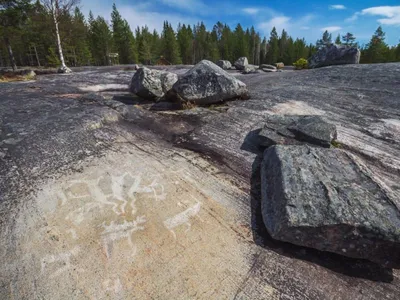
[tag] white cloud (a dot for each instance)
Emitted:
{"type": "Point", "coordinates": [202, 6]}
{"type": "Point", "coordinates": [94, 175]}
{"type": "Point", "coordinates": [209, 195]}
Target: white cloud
{"type": "Point", "coordinates": [190, 5]}
{"type": "Point", "coordinates": [304, 28]}
{"type": "Point", "coordinates": [353, 18]}
{"type": "Point", "coordinates": [278, 22]}
{"type": "Point", "coordinates": [391, 14]}
{"type": "Point", "coordinates": [139, 15]}
{"type": "Point", "coordinates": [337, 6]}
{"type": "Point", "coordinates": [331, 28]}
{"type": "Point", "coordinates": [251, 10]}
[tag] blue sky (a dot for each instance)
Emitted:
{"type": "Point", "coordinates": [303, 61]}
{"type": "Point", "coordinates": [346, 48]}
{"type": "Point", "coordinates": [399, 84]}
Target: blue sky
{"type": "Point", "coordinates": [300, 18]}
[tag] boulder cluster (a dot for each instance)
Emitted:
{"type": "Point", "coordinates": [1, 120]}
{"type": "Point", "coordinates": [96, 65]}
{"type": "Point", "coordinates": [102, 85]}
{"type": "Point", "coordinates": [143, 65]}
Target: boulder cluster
{"type": "Point", "coordinates": [206, 83]}
{"type": "Point", "coordinates": [323, 197]}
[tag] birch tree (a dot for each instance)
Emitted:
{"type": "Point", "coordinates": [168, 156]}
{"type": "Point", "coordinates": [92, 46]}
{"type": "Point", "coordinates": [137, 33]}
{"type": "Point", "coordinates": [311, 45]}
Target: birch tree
{"type": "Point", "coordinates": [57, 8]}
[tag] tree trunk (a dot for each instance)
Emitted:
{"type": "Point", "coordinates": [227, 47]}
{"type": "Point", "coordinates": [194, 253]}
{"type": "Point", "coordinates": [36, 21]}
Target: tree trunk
{"type": "Point", "coordinates": [10, 53]}
{"type": "Point", "coordinates": [54, 12]}
{"type": "Point", "coordinates": [37, 56]}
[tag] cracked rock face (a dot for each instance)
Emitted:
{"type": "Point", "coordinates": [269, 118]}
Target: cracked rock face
{"type": "Point", "coordinates": [152, 84]}
{"type": "Point", "coordinates": [206, 83]}
{"type": "Point", "coordinates": [325, 199]}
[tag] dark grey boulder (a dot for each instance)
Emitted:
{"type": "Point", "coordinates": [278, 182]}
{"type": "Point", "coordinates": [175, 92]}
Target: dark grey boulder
{"type": "Point", "coordinates": [206, 83]}
{"type": "Point", "coordinates": [224, 64]}
{"type": "Point", "coordinates": [295, 130]}
{"type": "Point", "coordinates": [152, 84]}
{"type": "Point", "coordinates": [241, 63]}
{"type": "Point", "coordinates": [314, 130]}
{"type": "Point", "coordinates": [335, 55]}
{"type": "Point", "coordinates": [324, 199]}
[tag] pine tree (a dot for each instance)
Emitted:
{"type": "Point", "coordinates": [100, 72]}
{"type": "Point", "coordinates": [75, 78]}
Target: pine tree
{"type": "Point", "coordinates": [227, 44]}
{"type": "Point", "coordinates": [348, 39]}
{"type": "Point", "coordinates": [100, 38]}
{"type": "Point", "coordinates": [80, 41]}
{"type": "Point", "coordinates": [123, 38]}
{"type": "Point", "coordinates": [185, 41]}
{"type": "Point", "coordinates": [338, 41]}
{"type": "Point", "coordinates": [263, 51]}
{"type": "Point", "coordinates": [283, 42]}
{"type": "Point", "coordinates": [13, 13]}
{"type": "Point", "coordinates": [376, 50]}
{"type": "Point", "coordinates": [145, 40]}
{"type": "Point", "coordinates": [325, 41]}
{"type": "Point", "coordinates": [170, 48]}
{"type": "Point", "coordinates": [289, 55]}
{"type": "Point", "coordinates": [273, 47]}
{"type": "Point", "coordinates": [241, 46]}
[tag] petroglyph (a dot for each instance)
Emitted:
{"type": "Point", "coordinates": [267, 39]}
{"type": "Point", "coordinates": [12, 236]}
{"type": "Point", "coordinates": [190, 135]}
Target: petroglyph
{"type": "Point", "coordinates": [115, 232]}
{"type": "Point", "coordinates": [120, 195]}
{"type": "Point", "coordinates": [63, 258]}
{"type": "Point", "coordinates": [182, 218]}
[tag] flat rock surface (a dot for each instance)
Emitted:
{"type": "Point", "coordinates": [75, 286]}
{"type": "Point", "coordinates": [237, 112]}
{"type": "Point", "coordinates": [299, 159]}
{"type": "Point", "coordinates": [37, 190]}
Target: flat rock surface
{"type": "Point", "coordinates": [326, 199]}
{"type": "Point", "coordinates": [112, 200]}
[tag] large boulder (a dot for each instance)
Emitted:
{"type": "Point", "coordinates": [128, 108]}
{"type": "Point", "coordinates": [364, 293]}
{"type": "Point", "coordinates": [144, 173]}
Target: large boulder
{"type": "Point", "coordinates": [241, 63]}
{"type": "Point", "coordinates": [334, 55]}
{"type": "Point", "coordinates": [152, 84]}
{"type": "Point", "coordinates": [224, 64]}
{"type": "Point", "coordinates": [206, 83]}
{"type": "Point", "coordinates": [327, 200]}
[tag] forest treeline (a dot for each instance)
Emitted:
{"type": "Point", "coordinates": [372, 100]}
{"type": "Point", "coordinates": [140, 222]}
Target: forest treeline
{"type": "Point", "coordinates": [27, 30]}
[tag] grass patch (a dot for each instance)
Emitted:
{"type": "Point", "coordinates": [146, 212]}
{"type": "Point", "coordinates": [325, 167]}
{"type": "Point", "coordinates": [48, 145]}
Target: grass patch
{"type": "Point", "coordinates": [188, 105]}
{"type": "Point", "coordinates": [12, 77]}
{"type": "Point", "coordinates": [336, 144]}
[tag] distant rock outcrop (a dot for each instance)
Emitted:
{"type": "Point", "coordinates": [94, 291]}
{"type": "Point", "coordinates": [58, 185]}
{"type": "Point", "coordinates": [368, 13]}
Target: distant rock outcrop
{"type": "Point", "coordinates": [335, 55]}
{"type": "Point", "coordinates": [241, 63]}
{"type": "Point", "coordinates": [152, 84]}
{"type": "Point", "coordinates": [224, 64]}
{"type": "Point", "coordinates": [206, 83]}
{"type": "Point", "coordinates": [327, 200]}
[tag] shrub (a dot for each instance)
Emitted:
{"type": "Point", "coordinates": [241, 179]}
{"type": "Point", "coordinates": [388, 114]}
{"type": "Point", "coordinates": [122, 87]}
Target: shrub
{"type": "Point", "coordinates": [302, 63]}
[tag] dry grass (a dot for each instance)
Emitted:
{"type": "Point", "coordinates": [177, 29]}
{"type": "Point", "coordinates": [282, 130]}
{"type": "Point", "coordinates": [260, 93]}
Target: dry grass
{"type": "Point", "coordinates": [11, 77]}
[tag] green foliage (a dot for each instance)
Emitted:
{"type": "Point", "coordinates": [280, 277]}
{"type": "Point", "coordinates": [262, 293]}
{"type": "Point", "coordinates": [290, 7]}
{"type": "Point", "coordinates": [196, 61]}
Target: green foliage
{"type": "Point", "coordinates": [123, 38]}
{"type": "Point", "coordinates": [52, 58]}
{"type": "Point", "coordinates": [338, 41]}
{"type": "Point", "coordinates": [376, 51]}
{"type": "Point", "coordinates": [27, 30]}
{"type": "Point", "coordinates": [273, 49]}
{"type": "Point", "coordinates": [301, 63]}
{"type": "Point", "coordinates": [325, 41]}
{"type": "Point", "coordinates": [348, 39]}
{"type": "Point", "coordinates": [170, 47]}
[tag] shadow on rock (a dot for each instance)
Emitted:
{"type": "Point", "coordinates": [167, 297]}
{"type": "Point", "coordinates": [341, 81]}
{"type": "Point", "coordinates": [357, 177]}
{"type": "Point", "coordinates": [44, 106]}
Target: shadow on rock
{"type": "Point", "coordinates": [340, 264]}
